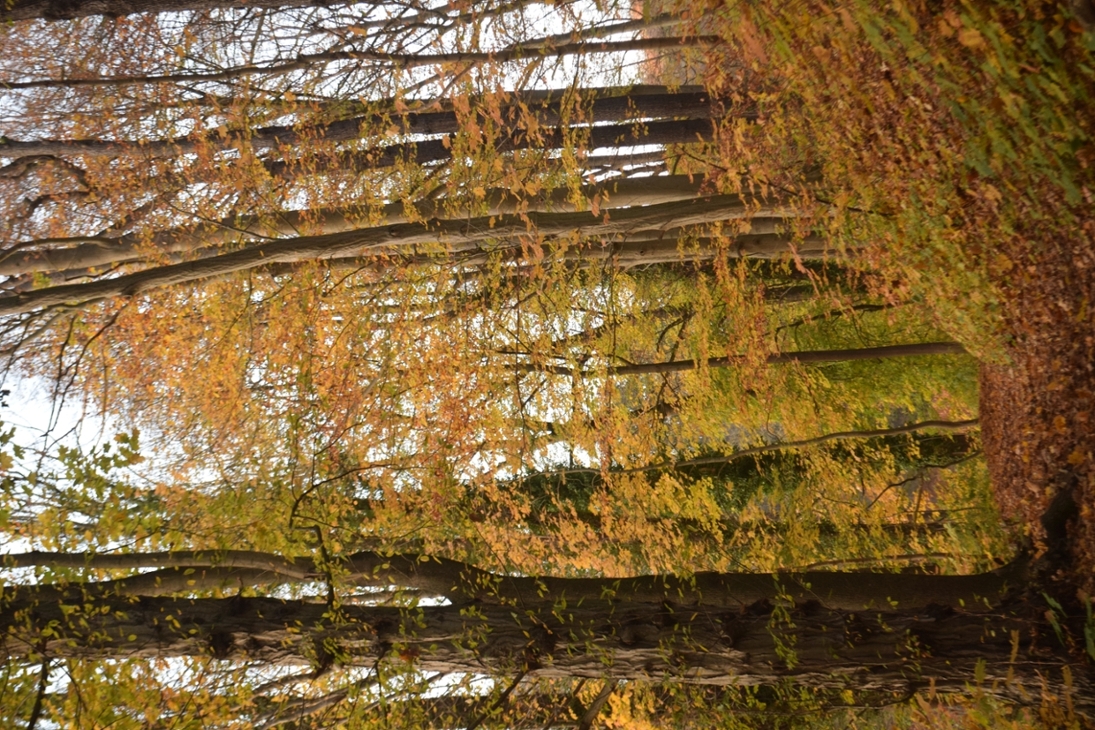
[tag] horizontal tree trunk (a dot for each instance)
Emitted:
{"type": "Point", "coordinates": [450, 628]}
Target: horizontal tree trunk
{"type": "Point", "coordinates": [63, 255]}
{"type": "Point", "coordinates": [692, 106]}
{"type": "Point", "coordinates": [626, 254]}
{"type": "Point", "coordinates": [778, 358]}
{"type": "Point", "coordinates": [438, 150]}
{"type": "Point", "coordinates": [72, 9]}
{"type": "Point", "coordinates": [383, 60]}
{"type": "Point", "coordinates": [460, 582]}
{"type": "Point", "coordinates": [456, 235]}
{"type": "Point", "coordinates": [813, 647]}
{"type": "Point", "coordinates": [960, 445]}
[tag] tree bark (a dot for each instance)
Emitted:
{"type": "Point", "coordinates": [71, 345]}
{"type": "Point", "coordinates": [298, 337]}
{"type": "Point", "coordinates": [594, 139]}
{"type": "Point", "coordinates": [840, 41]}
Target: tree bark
{"type": "Point", "coordinates": [565, 494]}
{"type": "Point", "coordinates": [458, 235]}
{"type": "Point", "coordinates": [76, 253]}
{"type": "Point", "coordinates": [778, 358]}
{"type": "Point", "coordinates": [961, 445]}
{"type": "Point", "coordinates": [887, 650]}
{"type": "Point", "coordinates": [461, 582]}
{"type": "Point", "coordinates": [72, 9]}
{"type": "Point", "coordinates": [693, 106]}
{"type": "Point", "coordinates": [438, 150]}
{"type": "Point", "coordinates": [392, 61]}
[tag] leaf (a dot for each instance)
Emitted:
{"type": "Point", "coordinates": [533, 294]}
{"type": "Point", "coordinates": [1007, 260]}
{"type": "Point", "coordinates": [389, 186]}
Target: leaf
{"type": "Point", "coordinates": [971, 38]}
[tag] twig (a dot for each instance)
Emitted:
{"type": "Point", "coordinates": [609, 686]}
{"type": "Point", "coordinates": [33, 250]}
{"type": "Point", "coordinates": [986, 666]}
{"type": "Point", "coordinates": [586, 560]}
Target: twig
{"type": "Point", "coordinates": [43, 680]}
{"type": "Point", "coordinates": [598, 703]}
{"type": "Point", "coordinates": [500, 701]}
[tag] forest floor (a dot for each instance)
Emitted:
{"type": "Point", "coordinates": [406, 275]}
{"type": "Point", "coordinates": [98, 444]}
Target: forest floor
{"type": "Point", "coordinates": [1038, 410]}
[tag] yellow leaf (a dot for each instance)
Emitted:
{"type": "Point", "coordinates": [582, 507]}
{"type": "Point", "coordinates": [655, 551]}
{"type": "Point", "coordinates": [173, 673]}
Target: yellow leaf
{"type": "Point", "coordinates": [970, 38]}
{"type": "Point", "coordinates": [1077, 457]}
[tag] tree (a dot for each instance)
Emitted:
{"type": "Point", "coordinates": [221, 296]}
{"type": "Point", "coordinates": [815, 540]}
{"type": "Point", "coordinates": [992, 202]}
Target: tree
{"type": "Point", "coordinates": [835, 631]}
{"type": "Point", "coordinates": [876, 635]}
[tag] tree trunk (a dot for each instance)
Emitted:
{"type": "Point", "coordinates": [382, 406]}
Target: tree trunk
{"type": "Point", "coordinates": [183, 571]}
{"type": "Point", "coordinates": [72, 9]}
{"type": "Point", "coordinates": [458, 235]}
{"type": "Point", "coordinates": [438, 150]}
{"type": "Point", "coordinates": [75, 253]}
{"type": "Point", "coordinates": [1006, 652]}
{"type": "Point", "coordinates": [778, 358]}
{"type": "Point", "coordinates": [694, 107]}
{"type": "Point", "coordinates": [736, 476]}
{"type": "Point", "coordinates": [384, 61]}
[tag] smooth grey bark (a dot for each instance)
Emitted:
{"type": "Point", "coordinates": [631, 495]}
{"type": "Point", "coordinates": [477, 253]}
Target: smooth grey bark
{"type": "Point", "coordinates": [692, 106]}
{"type": "Point", "coordinates": [837, 436]}
{"type": "Point", "coordinates": [438, 150]}
{"type": "Point", "coordinates": [65, 255]}
{"type": "Point", "coordinates": [454, 236]}
{"type": "Point", "coordinates": [625, 254]}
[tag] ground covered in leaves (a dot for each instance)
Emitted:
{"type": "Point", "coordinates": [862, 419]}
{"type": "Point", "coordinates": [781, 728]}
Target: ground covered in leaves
{"type": "Point", "coordinates": [1038, 409]}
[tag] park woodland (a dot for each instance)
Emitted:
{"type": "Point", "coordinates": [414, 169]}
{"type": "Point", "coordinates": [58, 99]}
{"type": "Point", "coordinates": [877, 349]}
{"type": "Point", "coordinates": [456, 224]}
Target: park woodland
{"type": "Point", "coordinates": [539, 364]}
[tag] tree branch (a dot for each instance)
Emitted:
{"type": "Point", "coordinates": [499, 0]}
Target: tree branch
{"type": "Point", "coordinates": [598, 704]}
{"type": "Point", "coordinates": [43, 682]}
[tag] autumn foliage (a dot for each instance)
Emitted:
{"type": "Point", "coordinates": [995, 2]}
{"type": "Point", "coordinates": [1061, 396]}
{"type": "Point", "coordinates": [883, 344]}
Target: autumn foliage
{"type": "Point", "coordinates": [507, 364]}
